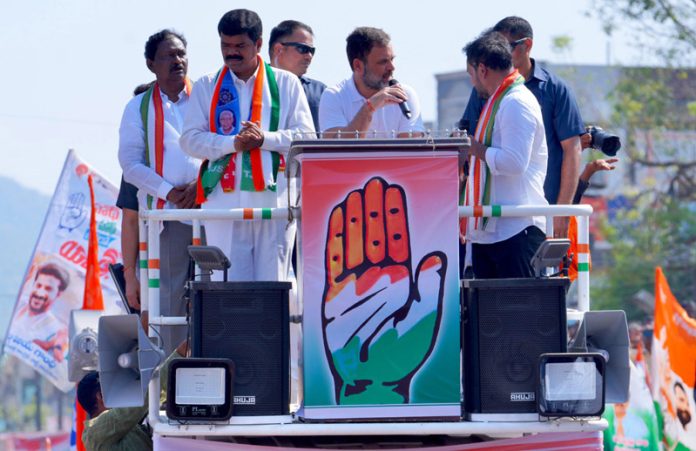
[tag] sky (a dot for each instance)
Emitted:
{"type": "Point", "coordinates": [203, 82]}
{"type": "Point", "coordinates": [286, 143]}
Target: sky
{"type": "Point", "coordinates": [70, 66]}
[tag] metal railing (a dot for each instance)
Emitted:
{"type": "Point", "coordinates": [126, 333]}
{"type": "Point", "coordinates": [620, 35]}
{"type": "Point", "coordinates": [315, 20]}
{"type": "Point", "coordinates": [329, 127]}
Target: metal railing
{"type": "Point", "coordinates": [150, 296]}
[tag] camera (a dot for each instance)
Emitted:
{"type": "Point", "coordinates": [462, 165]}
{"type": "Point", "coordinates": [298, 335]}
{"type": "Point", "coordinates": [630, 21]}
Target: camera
{"type": "Point", "coordinates": [609, 144]}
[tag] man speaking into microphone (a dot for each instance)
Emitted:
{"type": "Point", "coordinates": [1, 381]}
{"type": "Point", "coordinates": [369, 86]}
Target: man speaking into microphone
{"type": "Point", "coordinates": [370, 100]}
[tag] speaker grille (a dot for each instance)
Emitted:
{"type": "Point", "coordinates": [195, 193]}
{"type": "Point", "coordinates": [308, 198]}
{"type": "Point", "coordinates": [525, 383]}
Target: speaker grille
{"type": "Point", "coordinates": [249, 325]}
{"type": "Point", "coordinates": [508, 327]}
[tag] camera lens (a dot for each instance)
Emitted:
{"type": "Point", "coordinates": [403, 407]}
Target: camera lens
{"type": "Point", "coordinates": [609, 144]}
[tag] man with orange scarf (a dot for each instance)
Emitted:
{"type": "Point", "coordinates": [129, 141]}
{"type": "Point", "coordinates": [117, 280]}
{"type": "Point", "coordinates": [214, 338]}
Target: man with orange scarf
{"type": "Point", "coordinates": [507, 162]}
{"type": "Point", "coordinates": [245, 169]}
{"type": "Point", "coordinates": [151, 160]}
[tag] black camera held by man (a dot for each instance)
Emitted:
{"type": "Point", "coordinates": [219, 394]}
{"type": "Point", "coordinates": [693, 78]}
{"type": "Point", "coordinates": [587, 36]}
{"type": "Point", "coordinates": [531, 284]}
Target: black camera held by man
{"type": "Point", "coordinates": [609, 144]}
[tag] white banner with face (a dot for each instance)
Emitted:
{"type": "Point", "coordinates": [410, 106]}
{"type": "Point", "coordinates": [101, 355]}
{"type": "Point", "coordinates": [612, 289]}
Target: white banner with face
{"type": "Point", "coordinates": [54, 282]}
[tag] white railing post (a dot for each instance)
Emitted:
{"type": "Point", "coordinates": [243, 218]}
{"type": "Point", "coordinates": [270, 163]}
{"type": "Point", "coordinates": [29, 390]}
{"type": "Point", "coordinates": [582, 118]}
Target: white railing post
{"type": "Point", "coordinates": [153, 283]}
{"type": "Point", "coordinates": [196, 240]}
{"type": "Point", "coordinates": [142, 263]}
{"type": "Point", "coordinates": [583, 259]}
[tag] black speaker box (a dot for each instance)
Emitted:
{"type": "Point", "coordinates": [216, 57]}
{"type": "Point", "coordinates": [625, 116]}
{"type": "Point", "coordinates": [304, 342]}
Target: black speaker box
{"type": "Point", "coordinates": [247, 322]}
{"type": "Point", "coordinates": [506, 325]}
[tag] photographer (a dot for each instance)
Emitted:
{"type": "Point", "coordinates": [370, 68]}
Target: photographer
{"type": "Point", "coordinates": [595, 138]}
{"type": "Point", "coordinates": [608, 144]}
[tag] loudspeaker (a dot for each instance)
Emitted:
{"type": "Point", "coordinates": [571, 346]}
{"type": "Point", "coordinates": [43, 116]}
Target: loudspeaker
{"type": "Point", "coordinates": [248, 323]}
{"type": "Point", "coordinates": [127, 360]}
{"type": "Point", "coordinates": [83, 328]}
{"type": "Point", "coordinates": [506, 325]}
{"type": "Point", "coordinates": [606, 332]}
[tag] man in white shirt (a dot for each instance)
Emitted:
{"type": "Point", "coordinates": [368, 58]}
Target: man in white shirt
{"type": "Point", "coordinates": [152, 160]}
{"type": "Point", "coordinates": [514, 157]}
{"type": "Point", "coordinates": [35, 322]}
{"type": "Point", "coordinates": [365, 102]}
{"type": "Point", "coordinates": [246, 169]}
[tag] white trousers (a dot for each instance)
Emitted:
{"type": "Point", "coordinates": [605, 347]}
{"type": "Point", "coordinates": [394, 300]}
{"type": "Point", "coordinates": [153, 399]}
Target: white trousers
{"type": "Point", "coordinates": [259, 250]}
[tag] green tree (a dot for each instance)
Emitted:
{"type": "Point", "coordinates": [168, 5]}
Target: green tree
{"type": "Point", "coordinates": [655, 107]}
{"type": "Point", "coordinates": [665, 28]}
{"type": "Point", "coordinates": [653, 233]}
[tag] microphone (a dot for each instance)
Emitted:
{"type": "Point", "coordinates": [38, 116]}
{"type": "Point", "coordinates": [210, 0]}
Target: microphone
{"type": "Point", "coordinates": [403, 105]}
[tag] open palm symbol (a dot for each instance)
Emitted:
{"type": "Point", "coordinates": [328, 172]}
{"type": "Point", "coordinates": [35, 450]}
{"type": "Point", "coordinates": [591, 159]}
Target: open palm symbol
{"type": "Point", "coordinates": [379, 320]}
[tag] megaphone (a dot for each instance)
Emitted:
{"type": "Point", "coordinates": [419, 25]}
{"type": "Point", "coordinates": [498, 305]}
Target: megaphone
{"type": "Point", "coordinates": [127, 360]}
{"type": "Point", "coordinates": [82, 357]}
{"type": "Point", "coordinates": [606, 332]}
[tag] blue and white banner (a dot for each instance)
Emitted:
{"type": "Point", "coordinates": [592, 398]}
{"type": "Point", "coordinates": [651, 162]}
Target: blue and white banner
{"type": "Point", "coordinates": [53, 283]}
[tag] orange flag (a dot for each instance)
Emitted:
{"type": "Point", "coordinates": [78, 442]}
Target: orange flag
{"type": "Point", "coordinates": [674, 366]}
{"type": "Point", "coordinates": [93, 298]}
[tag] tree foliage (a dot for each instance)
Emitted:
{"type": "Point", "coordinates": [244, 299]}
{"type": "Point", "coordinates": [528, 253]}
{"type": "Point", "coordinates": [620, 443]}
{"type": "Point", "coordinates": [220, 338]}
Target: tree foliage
{"type": "Point", "coordinates": [655, 107]}
{"type": "Point", "coordinates": [653, 233]}
{"type": "Point", "coordinates": [667, 28]}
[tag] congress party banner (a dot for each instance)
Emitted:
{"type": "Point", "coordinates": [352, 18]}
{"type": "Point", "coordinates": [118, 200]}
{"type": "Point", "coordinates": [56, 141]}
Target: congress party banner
{"type": "Point", "coordinates": [633, 425]}
{"type": "Point", "coordinates": [379, 256]}
{"type": "Point", "coordinates": [55, 278]}
{"type": "Point", "coordinates": [674, 367]}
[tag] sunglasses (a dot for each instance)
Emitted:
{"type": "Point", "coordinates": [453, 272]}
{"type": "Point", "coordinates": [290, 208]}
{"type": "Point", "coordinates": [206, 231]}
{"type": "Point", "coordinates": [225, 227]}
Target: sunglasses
{"type": "Point", "coordinates": [302, 49]}
{"type": "Point", "coordinates": [514, 44]}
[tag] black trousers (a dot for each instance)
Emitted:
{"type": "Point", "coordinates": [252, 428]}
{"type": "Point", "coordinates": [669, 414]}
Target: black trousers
{"type": "Point", "coordinates": [509, 258]}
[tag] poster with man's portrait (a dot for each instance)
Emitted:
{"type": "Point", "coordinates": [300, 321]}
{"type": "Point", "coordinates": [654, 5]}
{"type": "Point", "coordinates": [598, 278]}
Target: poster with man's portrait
{"type": "Point", "coordinates": [674, 367]}
{"type": "Point", "coordinates": [54, 282]}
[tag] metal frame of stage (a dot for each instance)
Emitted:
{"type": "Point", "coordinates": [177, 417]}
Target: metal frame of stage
{"type": "Point", "coordinates": [292, 425]}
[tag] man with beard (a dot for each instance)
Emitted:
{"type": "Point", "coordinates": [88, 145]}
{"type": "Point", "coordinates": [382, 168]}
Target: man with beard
{"type": "Point", "coordinates": [152, 160]}
{"type": "Point", "coordinates": [366, 102]}
{"type": "Point", "coordinates": [35, 322]}
{"type": "Point", "coordinates": [507, 162]}
{"type": "Point", "coordinates": [244, 170]}
{"type": "Point", "coordinates": [681, 404]}
{"type": "Point", "coordinates": [563, 123]}
{"type": "Point", "coordinates": [291, 47]}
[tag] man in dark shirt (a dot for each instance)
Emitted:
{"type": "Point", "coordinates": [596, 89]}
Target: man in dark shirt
{"type": "Point", "coordinates": [562, 121]}
{"type": "Point", "coordinates": [291, 47]}
{"type": "Point", "coordinates": [127, 201]}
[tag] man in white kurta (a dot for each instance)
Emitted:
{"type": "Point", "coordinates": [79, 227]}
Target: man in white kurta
{"type": "Point", "coordinates": [164, 175]}
{"type": "Point", "coordinates": [258, 250]}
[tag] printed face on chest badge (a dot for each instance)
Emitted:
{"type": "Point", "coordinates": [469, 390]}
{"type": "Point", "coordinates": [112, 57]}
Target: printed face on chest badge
{"type": "Point", "coordinates": [227, 122]}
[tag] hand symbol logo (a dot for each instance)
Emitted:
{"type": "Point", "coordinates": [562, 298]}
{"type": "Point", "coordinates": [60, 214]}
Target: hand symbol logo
{"type": "Point", "coordinates": [380, 322]}
{"type": "Point", "coordinates": [74, 213]}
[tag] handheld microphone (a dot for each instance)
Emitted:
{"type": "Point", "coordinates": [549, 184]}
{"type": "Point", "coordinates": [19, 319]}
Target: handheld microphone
{"type": "Point", "coordinates": [405, 108]}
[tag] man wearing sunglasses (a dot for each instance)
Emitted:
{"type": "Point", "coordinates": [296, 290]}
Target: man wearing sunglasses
{"type": "Point", "coordinates": [369, 99]}
{"type": "Point", "coordinates": [291, 47]}
{"type": "Point", "coordinates": [562, 121]}
{"type": "Point", "coordinates": [245, 169]}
